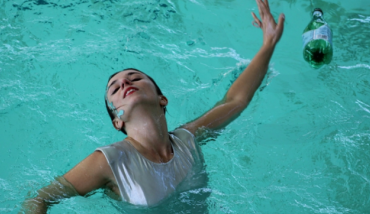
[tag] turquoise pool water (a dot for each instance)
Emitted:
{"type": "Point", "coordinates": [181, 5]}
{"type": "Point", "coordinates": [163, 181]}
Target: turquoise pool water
{"type": "Point", "coordinates": [302, 146]}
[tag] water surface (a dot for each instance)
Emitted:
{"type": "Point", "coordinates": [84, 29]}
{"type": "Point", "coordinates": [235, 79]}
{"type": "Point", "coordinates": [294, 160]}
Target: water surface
{"type": "Point", "coordinates": [300, 147]}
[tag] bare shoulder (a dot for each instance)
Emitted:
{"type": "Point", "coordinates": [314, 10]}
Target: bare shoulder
{"type": "Point", "coordinates": [101, 161]}
{"type": "Point", "coordinates": [91, 173]}
{"type": "Point", "coordinates": [97, 157]}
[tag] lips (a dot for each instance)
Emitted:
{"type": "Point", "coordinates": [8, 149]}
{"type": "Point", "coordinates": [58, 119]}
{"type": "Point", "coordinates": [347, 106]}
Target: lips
{"type": "Point", "coordinates": [129, 91]}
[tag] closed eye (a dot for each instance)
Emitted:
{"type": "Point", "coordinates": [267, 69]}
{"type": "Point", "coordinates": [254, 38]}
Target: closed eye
{"type": "Point", "coordinates": [136, 79]}
{"type": "Point", "coordinates": [115, 90]}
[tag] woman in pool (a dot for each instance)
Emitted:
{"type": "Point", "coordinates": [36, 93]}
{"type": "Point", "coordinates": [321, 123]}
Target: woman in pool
{"type": "Point", "coordinates": [151, 163]}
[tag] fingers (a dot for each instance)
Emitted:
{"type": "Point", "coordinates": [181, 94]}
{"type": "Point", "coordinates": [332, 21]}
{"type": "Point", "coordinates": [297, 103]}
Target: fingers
{"type": "Point", "coordinates": [263, 7]}
{"type": "Point", "coordinates": [267, 5]}
{"type": "Point", "coordinates": [256, 22]}
{"type": "Point", "coordinates": [260, 7]}
{"type": "Point", "coordinates": [280, 25]}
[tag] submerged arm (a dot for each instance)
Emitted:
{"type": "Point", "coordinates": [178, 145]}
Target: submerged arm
{"type": "Point", "coordinates": [51, 194]}
{"type": "Point", "coordinates": [90, 174]}
{"type": "Point", "coordinates": [242, 90]}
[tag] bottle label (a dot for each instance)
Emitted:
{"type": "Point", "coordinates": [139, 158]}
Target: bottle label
{"type": "Point", "coordinates": [322, 32]}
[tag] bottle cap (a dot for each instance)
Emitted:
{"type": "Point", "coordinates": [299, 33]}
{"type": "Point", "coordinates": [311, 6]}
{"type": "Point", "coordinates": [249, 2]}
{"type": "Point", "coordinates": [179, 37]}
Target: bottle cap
{"type": "Point", "coordinates": [317, 9]}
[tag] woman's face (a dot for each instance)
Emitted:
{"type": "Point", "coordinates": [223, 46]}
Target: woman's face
{"type": "Point", "coordinates": [129, 89]}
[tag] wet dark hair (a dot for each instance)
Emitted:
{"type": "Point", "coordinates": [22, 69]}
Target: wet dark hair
{"type": "Point", "coordinates": [110, 111]}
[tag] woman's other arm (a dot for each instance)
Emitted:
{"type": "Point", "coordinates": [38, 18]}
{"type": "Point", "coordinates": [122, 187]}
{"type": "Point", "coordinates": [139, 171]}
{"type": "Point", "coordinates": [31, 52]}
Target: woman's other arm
{"type": "Point", "coordinates": [90, 174]}
{"type": "Point", "coordinates": [242, 90]}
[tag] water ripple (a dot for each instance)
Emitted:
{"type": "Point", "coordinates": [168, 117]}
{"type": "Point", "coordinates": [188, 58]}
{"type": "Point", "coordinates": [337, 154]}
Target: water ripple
{"type": "Point", "coordinates": [363, 106]}
{"type": "Point", "coordinates": [364, 20]}
{"type": "Point", "coordinates": [355, 66]}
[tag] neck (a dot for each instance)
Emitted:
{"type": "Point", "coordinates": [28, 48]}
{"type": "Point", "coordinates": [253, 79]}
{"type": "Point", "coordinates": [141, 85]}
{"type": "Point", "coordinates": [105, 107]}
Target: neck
{"type": "Point", "coordinates": [149, 130]}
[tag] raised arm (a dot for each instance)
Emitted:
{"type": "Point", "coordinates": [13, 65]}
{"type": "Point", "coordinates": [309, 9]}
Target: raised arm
{"type": "Point", "coordinates": [90, 174]}
{"type": "Point", "coordinates": [242, 90]}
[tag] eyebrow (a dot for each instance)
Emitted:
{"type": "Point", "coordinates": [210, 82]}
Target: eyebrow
{"type": "Point", "coordinates": [129, 74]}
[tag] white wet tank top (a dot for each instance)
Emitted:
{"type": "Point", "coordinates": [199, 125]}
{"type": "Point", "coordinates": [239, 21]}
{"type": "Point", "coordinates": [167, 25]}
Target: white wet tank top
{"type": "Point", "coordinates": [143, 182]}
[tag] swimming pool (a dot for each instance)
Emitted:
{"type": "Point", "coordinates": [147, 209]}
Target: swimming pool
{"type": "Point", "coordinates": [300, 147]}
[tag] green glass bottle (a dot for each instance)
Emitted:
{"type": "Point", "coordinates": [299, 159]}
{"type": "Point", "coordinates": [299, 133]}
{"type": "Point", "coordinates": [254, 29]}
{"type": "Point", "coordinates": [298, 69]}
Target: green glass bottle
{"type": "Point", "coordinates": [317, 41]}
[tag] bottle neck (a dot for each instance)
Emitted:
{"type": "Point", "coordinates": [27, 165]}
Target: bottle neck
{"type": "Point", "coordinates": [317, 15]}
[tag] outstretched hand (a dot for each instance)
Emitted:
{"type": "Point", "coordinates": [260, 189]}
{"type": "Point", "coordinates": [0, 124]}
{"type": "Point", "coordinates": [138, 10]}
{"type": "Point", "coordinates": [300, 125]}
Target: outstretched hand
{"type": "Point", "coordinates": [271, 31]}
{"type": "Point", "coordinates": [242, 90]}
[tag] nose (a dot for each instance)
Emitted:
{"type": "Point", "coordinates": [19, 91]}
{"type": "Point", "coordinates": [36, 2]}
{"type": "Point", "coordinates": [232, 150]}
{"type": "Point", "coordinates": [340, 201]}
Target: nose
{"type": "Point", "coordinates": [126, 82]}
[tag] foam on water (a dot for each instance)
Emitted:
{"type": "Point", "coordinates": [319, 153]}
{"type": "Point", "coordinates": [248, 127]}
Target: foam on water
{"type": "Point", "coordinates": [301, 146]}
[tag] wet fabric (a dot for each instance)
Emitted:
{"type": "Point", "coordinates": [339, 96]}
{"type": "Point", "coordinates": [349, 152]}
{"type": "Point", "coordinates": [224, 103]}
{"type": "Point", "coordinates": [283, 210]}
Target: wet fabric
{"type": "Point", "coordinates": [143, 182]}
